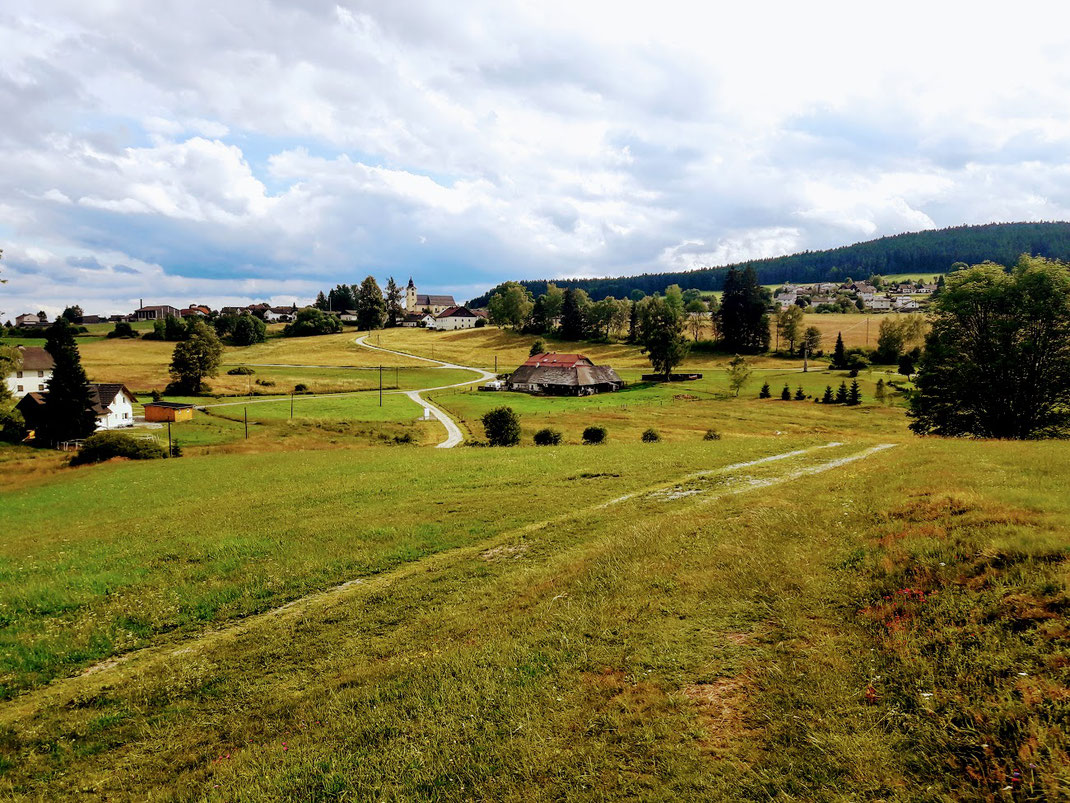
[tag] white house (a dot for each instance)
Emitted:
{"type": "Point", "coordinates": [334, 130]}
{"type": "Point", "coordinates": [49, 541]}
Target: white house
{"type": "Point", "coordinates": [456, 318]}
{"type": "Point", "coordinates": [905, 303]}
{"type": "Point", "coordinates": [417, 320]}
{"type": "Point", "coordinates": [32, 372]}
{"type": "Point", "coordinates": [879, 303]}
{"type": "Point", "coordinates": [279, 314]}
{"type": "Point", "coordinates": [113, 405]}
{"type": "Point", "coordinates": [785, 300]}
{"type": "Point", "coordinates": [30, 319]}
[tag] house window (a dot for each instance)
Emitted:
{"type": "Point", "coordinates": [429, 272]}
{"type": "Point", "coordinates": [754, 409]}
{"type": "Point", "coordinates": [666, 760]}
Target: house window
{"type": "Point", "coordinates": [18, 374]}
{"type": "Point", "coordinates": [126, 415]}
{"type": "Point", "coordinates": [20, 389]}
{"type": "Point", "coordinates": [40, 373]}
{"type": "Point", "coordinates": [40, 387]}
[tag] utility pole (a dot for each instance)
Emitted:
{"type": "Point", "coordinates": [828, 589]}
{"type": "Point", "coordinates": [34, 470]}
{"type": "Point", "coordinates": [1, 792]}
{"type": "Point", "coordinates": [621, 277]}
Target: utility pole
{"type": "Point", "coordinates": [495, 363]}
{"type": "Point", "coordinates": [380, 386]}
{"type": "Point", "coordinates": [867, 331]}
{"type": "Point", "coordinates": [805, 363]}
{"type": "Point", "coordinates": [397, 382]}
{"type": "Point", "coordinates": [246, 409]}
{"type": "Point", "coordinates": [291, 405]}
{"type": "Point", "coordinates": [170, 452]}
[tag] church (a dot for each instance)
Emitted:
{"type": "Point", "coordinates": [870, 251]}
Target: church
{"type": "Point", "coordinates": [418, 302]}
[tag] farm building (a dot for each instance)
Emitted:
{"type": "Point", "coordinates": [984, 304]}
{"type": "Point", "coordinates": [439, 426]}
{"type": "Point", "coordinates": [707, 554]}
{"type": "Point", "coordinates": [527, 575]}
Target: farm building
{"type": "Point", "coordinates": [455, 318]}
{"type": "Point", "coordinates": [563, 375]}
{"type": "Point", "coordinates": [32, 372]}
{"type": "Point", "coordinates": [112, 404]}
{"type": "Point", "coordinates": [168, 411]}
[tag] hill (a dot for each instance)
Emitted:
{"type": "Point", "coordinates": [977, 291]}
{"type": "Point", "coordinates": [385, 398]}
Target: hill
{"type": "Point", "coordinates": [927, 252]}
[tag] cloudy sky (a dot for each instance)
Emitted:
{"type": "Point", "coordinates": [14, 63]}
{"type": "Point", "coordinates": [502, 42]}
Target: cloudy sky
{"type": "Point", "coordinates": [255, 150]}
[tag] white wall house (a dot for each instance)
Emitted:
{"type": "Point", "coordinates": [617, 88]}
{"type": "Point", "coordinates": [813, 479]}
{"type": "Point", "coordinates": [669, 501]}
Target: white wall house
{"type": "Point", "coordinates": [879, 303]}
{"type": "Point", "coordinates": [456, 318]}
{"type": "Point", "coordinates": [113, 405]}
{"type": "Point", "coordinates": [905, 303]}
{"type": "Point", "coordinates": [32, 373]}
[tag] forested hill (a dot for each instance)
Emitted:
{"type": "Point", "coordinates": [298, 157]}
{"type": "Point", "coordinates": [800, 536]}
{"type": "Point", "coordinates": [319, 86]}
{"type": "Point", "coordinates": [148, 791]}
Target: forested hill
{"type": "Point", "coordinates": [916, 252]}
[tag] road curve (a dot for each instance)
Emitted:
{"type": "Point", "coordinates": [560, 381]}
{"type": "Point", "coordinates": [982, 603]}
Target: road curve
{"type": "Point", "coordinates": [454, 436]}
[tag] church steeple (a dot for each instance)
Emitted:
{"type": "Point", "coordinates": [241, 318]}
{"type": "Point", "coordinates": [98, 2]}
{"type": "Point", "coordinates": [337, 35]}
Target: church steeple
{"type": "Point", "coordinates": [410, 296]}
{"type": "Point", "coordinates": [413, 286]}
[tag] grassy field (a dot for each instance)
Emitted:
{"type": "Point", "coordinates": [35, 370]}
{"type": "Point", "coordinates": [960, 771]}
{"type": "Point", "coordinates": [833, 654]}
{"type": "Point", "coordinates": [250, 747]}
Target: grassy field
{"type": "Point", "coordinates": [818, 605]}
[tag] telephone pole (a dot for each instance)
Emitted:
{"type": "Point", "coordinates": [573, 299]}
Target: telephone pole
{"type": "Point", "coordinates": [246, 409]}
{"type": "Point", "coordinates": [380, 386]}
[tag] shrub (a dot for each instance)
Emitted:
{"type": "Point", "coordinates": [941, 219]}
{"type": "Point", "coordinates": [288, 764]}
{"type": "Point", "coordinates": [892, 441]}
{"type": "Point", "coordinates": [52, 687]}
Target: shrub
{"type": "Point", "coordinates": [765, 392]}
{"type": "Point", "coordinates": [122, 329]}
{"type": "Point", "coordinates": [827, 398]}
{"type": "Point", "coordinates": [785, 394]}
{"type": "Point", "coordinates": [711, 435]}
{"type": "Point", "coordinates": [12, 427]}
{"type": "Point", "coordinates": [241, 370]}
{"type": "Point", "coordinates": [538, 347]}
{"type": "Point", "coordinates": [651, 436]}
{"type": "Point", "coordinates": [404, 438]}
{"type": "Point", "coordinates": [300, 387]}
{"type": "Point", "coordinates": [800, 395]}
{"type": "Point", "coordinates": [480, 323]}
{"type": "Point", "coordinates": [156, 395]}
{"type": "Point", "coordinates": [103, 446]}
{"type": "Point", "coordinates": [547, 437]}
{"type": "Point", "coordinates": [502, 426]}
{"type": "Point", "coordinates": [176, 450]}
{"type": "Point", "coordinates": [311, 321]}
{"type": "Point", "coordinates": [594, 435]}
{"type": "Point", "coordinates": [267, 383]}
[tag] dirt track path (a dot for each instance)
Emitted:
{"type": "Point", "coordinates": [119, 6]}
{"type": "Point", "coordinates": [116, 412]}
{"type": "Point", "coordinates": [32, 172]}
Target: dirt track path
{"type": "Point", "coordinates": [454, 435]}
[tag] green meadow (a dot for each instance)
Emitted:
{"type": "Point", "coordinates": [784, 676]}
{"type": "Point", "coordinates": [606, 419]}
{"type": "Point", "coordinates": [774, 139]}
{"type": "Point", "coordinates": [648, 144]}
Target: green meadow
{"type": "Point", "coordinates": [816, 605]}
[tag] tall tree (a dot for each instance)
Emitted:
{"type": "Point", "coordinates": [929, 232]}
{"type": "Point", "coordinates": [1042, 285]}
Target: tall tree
{"type": "Point", "coordinates": [574, 314]}
{"type": "Point", "coordinates": [696, 316]}
{"type": "Point", "coordinates": [738, 373]}
{"type": "Point", "coordinates": [789, 323]}
{"type": "Point", "coordinates": [248, 329]}
{"type": "Point", "coordinates": [73, 313]}
{"type": "Point", "coordinates": [510, 305]}
{"type": "Point", "coordinates": [742, 317]}
{"type": "Point", "coordinates": [195, 359]}
{"type": "Point", "coordinates": [997, 360]}
{"type": "Point", "coordinates": [370, 305]}
{"type": "Point", "coordinates": [67, 414]}
{"type": "Point", "coordinates": [393, 302]}
{"type": "Point", "coordinates": [321, 301]}
{"type": "Point", "coordinates": [839, 354]}
{"type": "Point", "coordinates": [661, 328]}
{"type": "Point", "coordinates": [553, 301]}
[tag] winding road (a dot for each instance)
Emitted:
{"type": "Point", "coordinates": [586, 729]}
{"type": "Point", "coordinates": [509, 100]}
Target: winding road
{"type": "Point", "coordinates": [454, 435]}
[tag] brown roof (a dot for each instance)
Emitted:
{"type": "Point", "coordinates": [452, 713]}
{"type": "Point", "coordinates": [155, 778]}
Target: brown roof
{"type": "Point", "coordinates": [35, 358]}
{"type": "Point", "coordinates": [555, 360]}
{"type": "Point", "coordinates": [435, 301]}
{"type": "Point", "coordinates": [103, 394]}
{"type": "Point", "coordinates": [457, 312]}
{"type": "Point", "coordinates": [576, 376]}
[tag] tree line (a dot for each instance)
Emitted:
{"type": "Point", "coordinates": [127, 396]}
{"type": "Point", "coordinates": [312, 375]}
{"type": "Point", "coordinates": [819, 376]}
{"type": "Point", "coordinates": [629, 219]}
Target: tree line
{"type": "Point", "coordinates": [929, 252]}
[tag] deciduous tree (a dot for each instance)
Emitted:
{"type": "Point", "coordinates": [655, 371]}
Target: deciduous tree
{"type": "Point", "coordinates": [196, 359]}
{"type": "Point", "coordinates": [370, 305]}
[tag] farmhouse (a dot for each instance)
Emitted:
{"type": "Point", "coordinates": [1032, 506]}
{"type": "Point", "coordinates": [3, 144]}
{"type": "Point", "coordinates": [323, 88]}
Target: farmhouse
{"type": "Point", "coordinates": [168, 411]}
{"type": "Point", "coordinates": [456, 318]}
{"type": "Point", "coordinates": [155, 313]}
{"type": "Point", "coordinates": [418, 302]}
{"type": "Point", "coordinates": [421, 319]}
{"type": "Point", "coordinates": [32, 372]}
{"type": "Point", "coordinates": [563, 375]}
{"type": "Point", "coordinates": [112, 404]}
{"type": "Point", "coordinates": [30, 320]}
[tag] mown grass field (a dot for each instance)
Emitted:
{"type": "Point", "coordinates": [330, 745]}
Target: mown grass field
{"type": "Point", "coordinates": [306, 615]}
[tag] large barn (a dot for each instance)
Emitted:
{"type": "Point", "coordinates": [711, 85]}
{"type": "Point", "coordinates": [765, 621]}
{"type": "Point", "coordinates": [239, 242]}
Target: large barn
{"type": "Point", "coordinates": [563, 375]}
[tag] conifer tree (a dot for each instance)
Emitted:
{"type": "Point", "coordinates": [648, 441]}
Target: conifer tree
{"type": "Point", "coordinates": [785, 394]}
{"type": "Point", "coordinates": [765, 392]}
{"type": "Point", "coordinates": [880, 393]}
{"type": "Point", "coordinates": [827, 398]}
{"type": "Point", "coordinates": [370, 305]}
{"type": "Point", "coordinates": [839, 356]}
{"type": "Point", "coordinates": [841, 393]}
{"type": "Point", "coordinates": [799, 395]}
{"type": "Point", "coordinates": [393, 302]}
{"type": "Point", "coordinates": [854, 395]}
{"type": "Point", "coordinates": [67, 413]}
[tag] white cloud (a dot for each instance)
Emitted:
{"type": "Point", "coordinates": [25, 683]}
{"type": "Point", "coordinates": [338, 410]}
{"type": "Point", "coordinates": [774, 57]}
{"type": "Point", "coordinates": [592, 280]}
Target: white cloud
{"type": "Point", "coordinates": [222, 145]}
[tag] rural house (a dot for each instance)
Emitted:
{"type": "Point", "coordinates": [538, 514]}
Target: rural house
{"type": "Point", "coordinates": [456, 318]}
{"type": "Point", "coordinates": [155, 313]}
{"type": "Point", "coordinates": [563, 375]}
{"type": "Point", "coordinates": [418, 319]}
{"type": "Point", "coordinates": [30, 320]}
{"type": "Point", "coordinates": [112, 404]}
{"type": "Point", "coordinates": [32, 373]}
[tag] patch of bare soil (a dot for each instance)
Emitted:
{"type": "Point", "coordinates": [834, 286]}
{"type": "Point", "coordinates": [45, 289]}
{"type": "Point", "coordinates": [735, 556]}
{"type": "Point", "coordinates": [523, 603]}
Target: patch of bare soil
{"type": "Point", "coordinates": [721, 706]}
{"type": "Point", "coordinates": [504, 552]}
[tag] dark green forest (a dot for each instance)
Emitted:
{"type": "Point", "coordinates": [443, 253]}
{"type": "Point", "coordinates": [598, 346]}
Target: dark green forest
{"type": "Point", "coordinates": [915, 252]}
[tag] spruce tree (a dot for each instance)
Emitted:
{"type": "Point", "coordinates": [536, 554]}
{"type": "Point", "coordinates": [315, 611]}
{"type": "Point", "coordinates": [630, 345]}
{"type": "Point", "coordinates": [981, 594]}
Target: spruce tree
{"type": "Point", "coordinates": [854, 396]}
{"type": "Point", "coordinates": [827, 398]}
{"type": "Point", "coordinates": [785, 394]}
{"type": "Point", "coordinates": [370, 305]}
{"type": "Point", "coordinates": [841, 393]}
{"type": "Point", "coordinates": [839, 356]}
{"type": "Point", "coordinates": [742, 318]}
{"type": "Point", "coordinates": [880, 393]}
{"type": "Point", "coordinates": [799, 395]}
{"type": "Point", "coordinates": [393, 302]}
{"type": "Point", "coordinates": [765, 392]}
{"type": "Point", "coordinates": [68, 414]}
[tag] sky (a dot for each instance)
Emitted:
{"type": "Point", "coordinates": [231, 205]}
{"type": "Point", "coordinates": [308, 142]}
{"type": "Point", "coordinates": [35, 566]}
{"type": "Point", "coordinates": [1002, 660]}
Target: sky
{"type": "Point", "coordinates": [225, 153]}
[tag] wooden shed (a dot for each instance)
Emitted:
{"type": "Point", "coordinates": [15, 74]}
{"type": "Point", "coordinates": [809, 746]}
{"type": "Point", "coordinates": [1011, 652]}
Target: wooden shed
{"type": "Point", "coordinates": [168, 411]}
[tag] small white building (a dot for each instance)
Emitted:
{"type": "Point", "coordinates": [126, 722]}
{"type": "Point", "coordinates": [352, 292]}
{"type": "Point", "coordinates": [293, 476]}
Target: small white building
{"type": "Point", "coordinates": [421, 320]}
{"type": "Point", "coordinates": [30, 319]}
{"type": "Point", "coordinates": [905, 303]}
{"type": "Point", "coordinates": [113, 405]}
{"type": "Point", "coordinates": [32, 372]}
{"type": "Point", "coordinates": [279, 314]}
{"type": "Point", "coordinates": [456, 318]}
{"type": "Point", "coordinates": [785, 300]}
{"type": "Point", "coordinates": [878, 303]}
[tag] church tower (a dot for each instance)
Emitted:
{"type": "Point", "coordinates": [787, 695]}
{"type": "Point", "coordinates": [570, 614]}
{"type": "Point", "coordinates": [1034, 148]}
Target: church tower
{"type": "Point", "coordinates": [410, 297]}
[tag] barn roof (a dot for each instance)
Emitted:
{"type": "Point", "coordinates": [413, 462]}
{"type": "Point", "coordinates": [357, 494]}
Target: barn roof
{"type": "Point", "coordinates": [103, 394]}
{"type": "Point", "coordinates": [166, 405]}
{"type": "Point", "coordinates": [457, 312]}
{"type": "Point", "coordinates": [565, 376]}
{"type": "Point", "coordinates": [35, 358]}
{"type": "Point", "coordinates": [434, 301]}
{"type": "Point", "coordinates": [555, 360]}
